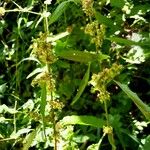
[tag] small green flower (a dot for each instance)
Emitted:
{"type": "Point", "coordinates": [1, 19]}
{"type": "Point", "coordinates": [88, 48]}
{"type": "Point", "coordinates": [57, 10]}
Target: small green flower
{"type": "Point", "coordinates": [43, 50]}
{"type": "Point", "coordinates": [87, 6]}
{"type": "Point", "coordinates": [2, 11]}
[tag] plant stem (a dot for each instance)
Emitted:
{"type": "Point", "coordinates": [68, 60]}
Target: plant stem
{"type": "Point", "coordinates": [106, 113]}
{"type": "Point", "coordinates": [14, 122]}
{"type": "Point", "coordinates": [23, 10]}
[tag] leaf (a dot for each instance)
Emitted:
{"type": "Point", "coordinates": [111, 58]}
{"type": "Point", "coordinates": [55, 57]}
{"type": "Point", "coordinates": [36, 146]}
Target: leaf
{"type": "Point", "coordinates": [80, 56]}
{"type": "Point", "coordinates": [123, 41]}
{"type": "Point", "coordinates": [29, 58]}
{"type": "Point", "coordinates": [82, 86]}
{"type": "Point", "coordinates": [3, 88]}
{"type": "Point", "coordinates": [29, 140]}
{"type": "Point", "coordinates": [57, 37]}
{"type": "Point", "coordinates": [111, 141]}
{"type": "Point", "coordinates": [106, 21]}
{"type": "Point", "coordinates": [147, 143]}
{"type": "Point", "coordinates": [93, 147]}
{"type": "Point", "coordinates": [145, 109]}
{"type": "Point", "coordinates": [83, 120]}
{"type": "Point", "coordinates": [37, 70]}
{"type": "Point", "coordinates": [58, 11]}
{"type": "Point", "coordinates": [118, 3]}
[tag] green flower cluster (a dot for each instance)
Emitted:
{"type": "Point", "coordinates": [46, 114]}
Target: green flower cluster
{"type": "Point", "coordinates": [96, 31]}
{"type": "Point", "coordinates": [42, 49]}
{"type": "Point", "coordinates": [44, 77]}
{"type": "Point", "coordinates": [87, 6]}
{"type": "Point", "coordinates": [2, 11]}
{"type": "Point", "coordinates": [100, 81]}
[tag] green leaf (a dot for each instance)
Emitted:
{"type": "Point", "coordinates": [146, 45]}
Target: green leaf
{"type": "Point", "coordinates": [82, 86]}
{"type": "Point", "coordinates": [37, 70]}
{"type": "Point", "coordinates": [118, 3]}
{"type": "Point", "coordinates": [111, 141]}
{"type": "Point", "coordinates": [147, 143]}
{"type": "Point", "coordinates": [29, 140]}
{"type": "Point", "coordinates": [29, 58]}
{"type": "Point", "coordinates": [80, 56]}
{"type": "Point", "coordinates": [106, 21]}
{"type": "Point", "coordinates": [145, 109]}
{"type": "Point", "coordinates": [123, 41]}
{"type": "Point", "coordinates": [58, 11]}
{"type": "Point", "coordinates": [83, 120]}
{"type": "Point", "coordinates": [3, 88]}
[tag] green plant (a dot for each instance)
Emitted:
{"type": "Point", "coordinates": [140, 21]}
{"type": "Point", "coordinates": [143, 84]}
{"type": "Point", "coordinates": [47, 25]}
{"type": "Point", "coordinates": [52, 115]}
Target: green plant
{"type": "Point", "coordinates": [62, 65]}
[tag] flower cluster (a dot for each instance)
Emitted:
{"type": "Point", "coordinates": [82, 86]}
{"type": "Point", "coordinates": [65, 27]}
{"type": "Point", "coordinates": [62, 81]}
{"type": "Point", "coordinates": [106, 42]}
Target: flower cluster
{"type": "Point", "coordinates": [107, 129]}
{"type": "Point", "coordinates": [43, 49]}
{"type": "Point", "coordinates": [100, 81]}
{"type": "Point", "coordinates": [2, 11]}
{"type": "Point", "coordinates": [87, 6]}
{"type": "Point", "coordinates": [44, 77]}
{"type": "Point", "coordinates": [96, 31]}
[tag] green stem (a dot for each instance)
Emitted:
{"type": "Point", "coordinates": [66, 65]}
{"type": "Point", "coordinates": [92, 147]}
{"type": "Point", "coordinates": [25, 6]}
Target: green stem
{"type": "Point", "coordinates": [46, 21]}
{"type": "Point", "coordinates": [106, 113]}
{"type": "Point", "coordinates": [14, 122]}
{"type": "Point", "coordinates": [23, 10]}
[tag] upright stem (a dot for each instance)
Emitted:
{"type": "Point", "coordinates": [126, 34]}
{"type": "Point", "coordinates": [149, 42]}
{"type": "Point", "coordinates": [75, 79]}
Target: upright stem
{"type": "Point", "coordinates": [106, 113]}
{"type": "Point", "coordinates": [14, 122]}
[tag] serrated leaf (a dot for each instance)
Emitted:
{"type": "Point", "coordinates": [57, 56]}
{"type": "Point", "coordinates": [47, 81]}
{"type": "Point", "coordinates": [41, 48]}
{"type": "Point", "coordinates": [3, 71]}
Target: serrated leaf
{"type": "Point", "coordinates": [83, 120]}
{"type": "Point", "coordinates": [80, 56]}
{"type": "Point", "coordinates": [82, 86]}
{"type": "Point", "coordinates": [29, 140]}
{"type": "Point", "coordinates": [145, 109]}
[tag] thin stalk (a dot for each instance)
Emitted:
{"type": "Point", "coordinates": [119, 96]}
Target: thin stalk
{"type": "Point", "coordinates": [54, 125]}
{"type": "Point", "coordinates": [23, 10]}
{"type": "Point", "coordinates": [106, 113]}
{"type": "Point", "coordinates": [101, 139]}
{"type": "Point", "coordinates": [14, 122]}
{"type": "Point", "coordinates": [46, 21]}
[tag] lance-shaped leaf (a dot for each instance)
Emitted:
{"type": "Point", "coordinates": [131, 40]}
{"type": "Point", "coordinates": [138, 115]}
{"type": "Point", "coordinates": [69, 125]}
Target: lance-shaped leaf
{"type": "Point", "coordinates": [145, 109]}
{"type": "Point", "coordinates": [82, 86]}
{"type": "Point", "coordinates": [80, 56]}
{"type": "Point", "coordinates": [83, 120]}
{"type": "Point", "coordinates": [123, 41]}
{"type": "Point", "coordinates": [58, 11]}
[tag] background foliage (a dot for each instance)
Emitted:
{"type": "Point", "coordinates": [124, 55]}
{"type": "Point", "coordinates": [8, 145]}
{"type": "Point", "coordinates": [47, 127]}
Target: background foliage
{"type": "Point", "coordinates": [74, 74]}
